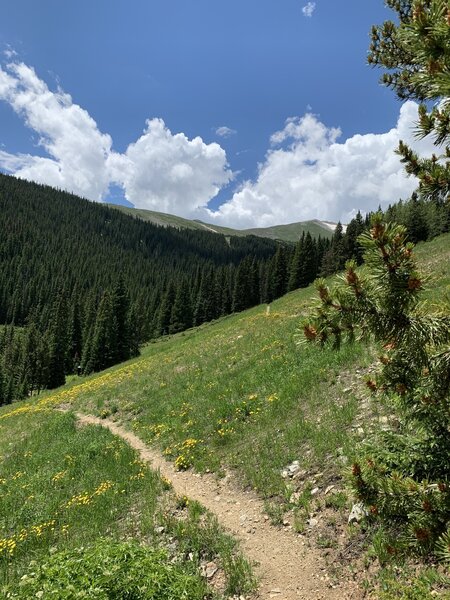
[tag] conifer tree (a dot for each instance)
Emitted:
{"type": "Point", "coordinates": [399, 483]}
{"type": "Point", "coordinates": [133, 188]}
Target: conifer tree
{"type": "Point", "coordinates": [75, 338]}
{"type": "Point", "coordinates": [308, 271]}
{"type": "Point", "coordinates": [181, 317]}
{"type": "Point", "coordinates": [58, 343]}
{"type": "Point", "coordinates": [416, 54]}
{"type": "Point", "coordinates": [277, 275]}
{"type": "Point", "coordinates": [296, 264]}
{"type": "Point", "coordinates": [415, 220]}
{"type": "Point", "coordinates": [334, 259]}
{"type": "Point", "coordinates": [403, 476]}
{"type": "Point", "coordinates": [103, 345]}
{"type": "Point", "coordinates": [165, 311]}
{"type": "Point", "coordinates": [135, 327]}
{"type": "Point", "coordinates": [29, 369]}
{"type": "Point", "coordinates": [205, 308]}
{"type": "Point", "coordinates": [226, 295]}
{"type": "Point", "coordinates": [121, 307]}
{"type": "Point", "coordinates": [352, 248]}
{"type": "Point", "coordinates": [242, 293]}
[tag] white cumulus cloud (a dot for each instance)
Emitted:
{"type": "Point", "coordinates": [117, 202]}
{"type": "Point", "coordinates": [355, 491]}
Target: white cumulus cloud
{"type": "Point", "coordinates": [159, 171]}
{"type": "Point", "coordinates": [170, 173]}
{"type": "Point", "coordinates": [314, 176]}
{"type": "Point", "coordinates": [77, 149]}
{"type": "Point", "coordinates": [309, 9]}
{"type": "Point", "coordinates": [225, 131]}
{"type": "Point", "coordinates": [307, 173]}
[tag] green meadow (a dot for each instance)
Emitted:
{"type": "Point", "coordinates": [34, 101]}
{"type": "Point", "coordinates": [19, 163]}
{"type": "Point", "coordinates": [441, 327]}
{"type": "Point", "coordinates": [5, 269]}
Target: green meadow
{"type": "Point", "coordinates": [242, 394]}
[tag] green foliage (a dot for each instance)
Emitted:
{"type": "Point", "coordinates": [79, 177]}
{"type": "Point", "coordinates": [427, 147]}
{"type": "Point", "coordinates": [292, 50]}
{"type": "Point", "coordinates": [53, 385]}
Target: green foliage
{"type": "Point", "coordinates": [305, 263]}
{"type": "Point", "coordinates": [109, 570]}
{"type": "Point", "coordinates": [405, 584]}
{"type": "Point", "coordinates": [443, 547]}
{"type": "Point", "coordinates": [181, 317]}
{"type": "Point", "coordinates": [87, 294]}
{"type": "Point", "coordinates": [178, 390]}
{"type": "Point", "coordinates": [90, 291]}
{"type": "Point", "coordinates": [57, 344]}
{"type": "Point", "coordinates": [63, 487]}
{"type": "Point", "coordinates": [423, 220]}
{"type": "Point", "coordinates": [416, 54]}
{"type": "Point", "coordinates": [334, 259]}
{"type": "Point", "coordinates": [404, 476]}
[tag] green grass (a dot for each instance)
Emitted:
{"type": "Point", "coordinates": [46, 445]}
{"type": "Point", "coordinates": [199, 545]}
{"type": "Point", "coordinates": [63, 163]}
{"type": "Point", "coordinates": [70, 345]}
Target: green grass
{"type": "Point", "coordinates": [109, 570]}
{"type": "Point", "coordinates": [435, 256]}
{"type": "Point", "coordinates": [239, 393]}
{"type": "Point", "coordinates": [64, 487]}
{"type": "Point", "coordinates": [289, 233]}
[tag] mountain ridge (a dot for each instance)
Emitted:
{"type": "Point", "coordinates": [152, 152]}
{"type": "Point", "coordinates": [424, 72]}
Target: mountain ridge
{"type": "Point", "coordinates": [287, 232]}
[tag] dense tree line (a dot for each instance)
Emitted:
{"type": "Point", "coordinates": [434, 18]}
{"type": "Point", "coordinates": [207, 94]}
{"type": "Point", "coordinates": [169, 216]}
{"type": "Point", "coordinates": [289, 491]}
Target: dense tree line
{"type": "Point", "coordinates": [82, 285]}
{"type": "Point", "coordinates": [423, 219]}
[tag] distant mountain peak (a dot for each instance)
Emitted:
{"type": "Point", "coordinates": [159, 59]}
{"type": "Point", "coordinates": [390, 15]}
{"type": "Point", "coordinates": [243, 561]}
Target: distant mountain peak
{"type": "Point", "coordinates": [289, 232]}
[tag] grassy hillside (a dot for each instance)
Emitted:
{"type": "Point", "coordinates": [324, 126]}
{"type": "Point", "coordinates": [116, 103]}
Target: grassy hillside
{"type": "Point", "coordinates": [292, 231]}
{"type": "Point", "coordinates": [288, 233]}
{"type": "Point", "coordinates": [236, 394]}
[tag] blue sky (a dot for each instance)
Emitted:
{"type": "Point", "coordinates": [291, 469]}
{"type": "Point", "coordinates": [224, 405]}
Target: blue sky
{"type": "Point", "coordinates": [183, 106]}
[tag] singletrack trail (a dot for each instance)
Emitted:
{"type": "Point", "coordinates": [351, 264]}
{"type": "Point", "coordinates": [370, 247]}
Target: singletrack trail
{"type": "Point", "coordinates": [287, 568]}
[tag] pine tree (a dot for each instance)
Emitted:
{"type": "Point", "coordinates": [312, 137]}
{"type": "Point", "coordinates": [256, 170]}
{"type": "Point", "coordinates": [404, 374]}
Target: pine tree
{"type": "Point", "coordinates": [134, 321]}
{"type": "Point", "coordinates": [75, 339]}
{"type": "Point", "coordinates": [243, 291]}
{"type": "Point", "coordinates": [205, 308]}
{"type": "Point", "coordinates": [103, 345]}
{"type": "Point", "coordinates": [416, 53]}
{"type": "Point", "coordinates": [226, 301]}
{"type": "Point", "coordinates": [277, 275]}
{"type": "Point", "coordinates": [28, 377]}
{"type": "Point", "coordinates": [415, 220]}
{"type": "Point", "coordinates": [296, 265]}
{"type": "Point", "coordinates": [403, 475]}
{"type": "Point", "coordinates": [352, 248]}
{"type": "Point", "coordinates": [165, 311]}
{"type": "Point", "coordinates": [254, 282]}
{"type": "Point", "coordinates": [121, 307]}
{"type": "Point", "coordinates": [334, 259]}
{"type": "Point", "coordinates": [308, 271]}
{"type": "Point", "coordinates": [181, 317]}
{"type": "Point", "coordinates": [58, 343]}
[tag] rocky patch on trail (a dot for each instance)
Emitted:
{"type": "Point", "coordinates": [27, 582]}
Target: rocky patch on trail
{"type": "Point", "coordinates": [320, 506]}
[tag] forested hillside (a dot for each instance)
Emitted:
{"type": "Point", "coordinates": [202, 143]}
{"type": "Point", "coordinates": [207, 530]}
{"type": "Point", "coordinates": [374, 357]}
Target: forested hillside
{"type": "Point", "coordinates": [89, 283]}
{"type": "Point", "coordinates": [82, 285]}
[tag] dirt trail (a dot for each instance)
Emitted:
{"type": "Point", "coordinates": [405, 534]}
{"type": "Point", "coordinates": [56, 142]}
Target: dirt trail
{"type": "Point", "coordinates": [287, 568]}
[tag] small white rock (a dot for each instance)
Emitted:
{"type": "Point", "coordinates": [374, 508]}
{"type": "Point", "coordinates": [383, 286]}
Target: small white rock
{"type": "Point", "coordinates": [358, 513]}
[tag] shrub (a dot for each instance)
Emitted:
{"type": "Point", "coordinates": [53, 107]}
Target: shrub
{"type": "Point", "coordinates": [109, 570]}
{"type": "Point", "coordinates": [403, 476]}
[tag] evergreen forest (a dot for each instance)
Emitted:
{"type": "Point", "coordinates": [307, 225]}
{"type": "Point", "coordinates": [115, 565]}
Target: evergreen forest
{"type": "Point", "coordinates": [83, 285]}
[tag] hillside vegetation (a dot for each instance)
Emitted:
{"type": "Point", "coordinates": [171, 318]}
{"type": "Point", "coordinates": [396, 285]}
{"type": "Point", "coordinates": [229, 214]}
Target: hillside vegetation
{"type": "Point", "coordinates": [236, 394]}
{"type": "Point", "coordinates": [290, 232]}
{"type": "Point", "coordinates": [84, 295]}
